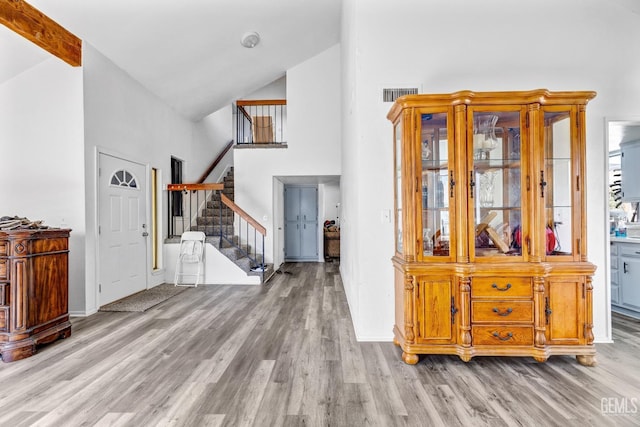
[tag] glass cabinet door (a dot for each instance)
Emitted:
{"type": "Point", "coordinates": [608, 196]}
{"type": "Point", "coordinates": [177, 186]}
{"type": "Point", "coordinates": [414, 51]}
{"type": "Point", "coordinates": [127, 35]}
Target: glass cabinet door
{"type": "Point", "coordinates": [398, 185]}
{"type": "Point", "coordinates": [434, 158]}
{"type": "Point", "coordinates": [556, 182]}
{"type": "Point", "coordinates": [495, 183]}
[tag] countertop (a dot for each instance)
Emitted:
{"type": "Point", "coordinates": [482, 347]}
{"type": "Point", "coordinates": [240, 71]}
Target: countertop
{"type": "Point", "coordinates": [625, 239]}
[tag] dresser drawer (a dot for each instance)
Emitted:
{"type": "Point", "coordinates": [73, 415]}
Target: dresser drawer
{"type": "Point", "coordinates": [4, 318]}
{"type": "Point", "coordinates": [3, 269]}
{"type": "Point", "coordinates": [4, 294]}
{"type": "Point", "coordinates": [3, 249]}
{"type": "Point", "coordinates": [501, 287]}
{"type": "Point", "coordinates": [502, 311]}
{"type": "Point", "coordinates": [502, 335]}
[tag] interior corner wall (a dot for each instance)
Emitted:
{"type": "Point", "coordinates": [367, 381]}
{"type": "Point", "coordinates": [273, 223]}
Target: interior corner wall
{"type": "Point", "coordinates": [41, 147]}
{"type": "Point", "coordinates": [313, 124]}
{"type": "Point", "coordinates": [450, 46]}
{"type": "Point", "coordinates": [210, 136]}
{"type": "Point", "coordinates": [351, 232]}
{"type": "Point", "coordinates": [123, 118]}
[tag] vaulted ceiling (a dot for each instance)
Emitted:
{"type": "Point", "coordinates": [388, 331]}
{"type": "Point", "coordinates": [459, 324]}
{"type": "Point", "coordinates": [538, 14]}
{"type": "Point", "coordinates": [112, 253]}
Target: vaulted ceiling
{"type": "Point", "coordinates": [188, 52]}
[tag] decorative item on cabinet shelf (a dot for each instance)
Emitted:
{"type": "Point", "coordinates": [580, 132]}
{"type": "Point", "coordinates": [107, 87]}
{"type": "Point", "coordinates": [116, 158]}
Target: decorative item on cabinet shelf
{"type": "Point", "coordinates": [484, 135]}
{"type": "Point", "coordinates": [427, 242]}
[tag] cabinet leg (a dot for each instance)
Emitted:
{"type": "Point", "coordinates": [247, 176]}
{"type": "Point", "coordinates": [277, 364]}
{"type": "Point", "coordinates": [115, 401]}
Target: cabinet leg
{"type": "Point", "coordinates": [540, 359]}
{"type": "Point", "coordinates": [396, 342]}
{"type": "Point", "coordinates": [465, 357]}
{"type": "Point", "coordinates": [410, 359]}
{"type": "Point", "coordinates": [587, 360]}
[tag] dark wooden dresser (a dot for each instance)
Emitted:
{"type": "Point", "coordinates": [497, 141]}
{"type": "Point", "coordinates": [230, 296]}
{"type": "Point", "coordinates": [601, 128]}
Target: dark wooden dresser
{"type": "Point", "coordinates": [34, 290]}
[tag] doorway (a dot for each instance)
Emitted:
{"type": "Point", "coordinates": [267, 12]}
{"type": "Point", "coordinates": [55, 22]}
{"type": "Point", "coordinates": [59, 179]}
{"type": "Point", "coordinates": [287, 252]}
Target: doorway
{"type": "Point", "coordinates": [122, 230]}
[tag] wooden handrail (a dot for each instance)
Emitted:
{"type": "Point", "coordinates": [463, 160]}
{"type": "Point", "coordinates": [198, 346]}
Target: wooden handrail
{"type": "Point", "coordinates": [194, 187]}
{"type": "Point", "coordinates": [227, 201]}
{"type": "Point", "coordinates": [218, 159]}
{"type": "Point", "coordinates": [243, 102]}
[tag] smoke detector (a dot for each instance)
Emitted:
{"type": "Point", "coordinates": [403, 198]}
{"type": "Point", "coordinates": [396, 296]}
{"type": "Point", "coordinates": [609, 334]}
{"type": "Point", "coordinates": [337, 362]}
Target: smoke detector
{"type": "Point", "coordinates": [250, 39]}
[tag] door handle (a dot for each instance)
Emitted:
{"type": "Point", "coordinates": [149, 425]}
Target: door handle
{"type": "Point", "coordinates": [624, 267]}
{"type": "Point", "coordinates": [145, 234]}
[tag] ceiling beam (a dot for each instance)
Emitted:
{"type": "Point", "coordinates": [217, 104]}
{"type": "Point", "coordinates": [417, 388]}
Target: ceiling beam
{"type": "Point", "coordinates": [30, 23]}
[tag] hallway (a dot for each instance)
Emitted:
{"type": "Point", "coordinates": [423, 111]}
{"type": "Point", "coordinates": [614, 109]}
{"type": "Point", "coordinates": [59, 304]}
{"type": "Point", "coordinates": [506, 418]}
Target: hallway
{"type": "Point", "coordinates": [285, 354]}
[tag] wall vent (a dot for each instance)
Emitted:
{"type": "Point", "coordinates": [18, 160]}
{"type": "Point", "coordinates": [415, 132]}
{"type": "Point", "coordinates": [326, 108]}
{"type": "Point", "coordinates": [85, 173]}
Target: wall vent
{"type": "Point", "coordinates": [391, 94]}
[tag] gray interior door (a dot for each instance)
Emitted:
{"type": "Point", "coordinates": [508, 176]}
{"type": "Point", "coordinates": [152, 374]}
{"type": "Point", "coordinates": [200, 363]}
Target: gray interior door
{"type": "Point", "coordinates": [301, 223]}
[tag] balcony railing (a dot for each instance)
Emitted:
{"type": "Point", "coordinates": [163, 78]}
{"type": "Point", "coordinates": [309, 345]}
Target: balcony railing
{"type": "Point", "coordinates": [204, 207]}
{"type": "Point", "coordinates": [261, 121]}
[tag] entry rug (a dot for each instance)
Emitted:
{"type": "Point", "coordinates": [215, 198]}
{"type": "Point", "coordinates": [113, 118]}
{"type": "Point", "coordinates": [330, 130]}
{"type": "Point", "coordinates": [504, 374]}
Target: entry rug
{"type": "Point", "coordinates": [144, 300]}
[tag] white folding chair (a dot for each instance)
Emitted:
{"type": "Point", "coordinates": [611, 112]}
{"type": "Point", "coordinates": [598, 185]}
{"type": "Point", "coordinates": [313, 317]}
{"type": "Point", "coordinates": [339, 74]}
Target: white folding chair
{"type": "Point", "coordinates": [191, 253]}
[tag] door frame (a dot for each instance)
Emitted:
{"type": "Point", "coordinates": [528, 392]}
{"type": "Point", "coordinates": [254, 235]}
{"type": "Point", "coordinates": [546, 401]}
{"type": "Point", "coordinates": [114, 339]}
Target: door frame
{"type": "Point", "coordinates": [96, 219]}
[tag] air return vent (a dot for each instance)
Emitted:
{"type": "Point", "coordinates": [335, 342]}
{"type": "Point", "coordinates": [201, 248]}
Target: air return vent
{"type": "Point", "coordinates": [391, 94]}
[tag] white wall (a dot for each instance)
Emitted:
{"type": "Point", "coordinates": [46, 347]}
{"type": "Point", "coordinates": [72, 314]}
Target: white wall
{"type": "Point", "coordinates": [217, 268]}
{"type": "Point", "coordinates": [123, 118]}
{"type": "Point", "coordinates": [313, 140]}
{"type": "Point", "coordinates": [210, 136]}
{"type": "Point", "coordinates": [277, 89]}
{"type": "Point", "coordinates": [41, 134]}
{"type": "Point", "coordinates": [482, 46]}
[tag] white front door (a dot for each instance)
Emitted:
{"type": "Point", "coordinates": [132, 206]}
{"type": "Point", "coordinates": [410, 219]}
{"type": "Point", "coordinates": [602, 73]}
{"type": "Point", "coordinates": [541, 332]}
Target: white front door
{"type": "Point", "coordinates": [122, 230]}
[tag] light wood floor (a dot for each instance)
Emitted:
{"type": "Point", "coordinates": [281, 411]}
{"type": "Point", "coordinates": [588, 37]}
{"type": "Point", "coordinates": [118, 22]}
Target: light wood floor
{"type": "Point", "coordinates": [285, 355]}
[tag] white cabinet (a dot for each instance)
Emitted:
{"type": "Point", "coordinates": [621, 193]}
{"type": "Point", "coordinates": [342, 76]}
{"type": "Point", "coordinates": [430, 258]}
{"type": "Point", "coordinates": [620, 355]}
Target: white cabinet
{"type": "Point", "coordinates": [625, 278]}
{"type": "Point", "coordinates": [301, 223]}
{"type": "Point", "coordinates": [630, 171]}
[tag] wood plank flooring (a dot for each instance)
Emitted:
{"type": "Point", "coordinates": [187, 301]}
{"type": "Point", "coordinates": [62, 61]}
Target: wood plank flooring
{"type": "Point", "coordinates": [285, 354]}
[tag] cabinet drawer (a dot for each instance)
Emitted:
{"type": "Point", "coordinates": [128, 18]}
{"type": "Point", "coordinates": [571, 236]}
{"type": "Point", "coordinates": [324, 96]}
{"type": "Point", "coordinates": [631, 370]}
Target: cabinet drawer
{"type": "Point", "coordinates": [3, 269]}
{"type": "Point", "coordinates": [501, 287]}
{"type": "Point", "coordinates": [4, 318]}
{"type": "Point", "coordinates": [502, 335]}
{"type": "Point", "coordinates": [4, 294]}
{"type": "Point", "coordinates": [3, 249]}
{"type": "Point", "coordinates": [502, 311]}
{"type": "Point", "coordinates": [631, 250]}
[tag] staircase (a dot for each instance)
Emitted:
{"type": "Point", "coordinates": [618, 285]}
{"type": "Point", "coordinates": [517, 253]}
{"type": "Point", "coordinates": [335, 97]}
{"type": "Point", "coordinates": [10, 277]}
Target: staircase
{"type": "Point", "coordinates": [210, 222]}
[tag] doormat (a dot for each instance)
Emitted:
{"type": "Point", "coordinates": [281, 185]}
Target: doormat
{"type": "Point", "coordinates": [144, 300]}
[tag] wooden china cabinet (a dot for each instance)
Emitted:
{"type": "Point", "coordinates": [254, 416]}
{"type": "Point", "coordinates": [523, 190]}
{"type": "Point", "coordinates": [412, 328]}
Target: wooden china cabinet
{"type": "Point", "coordinates": [490, 225]}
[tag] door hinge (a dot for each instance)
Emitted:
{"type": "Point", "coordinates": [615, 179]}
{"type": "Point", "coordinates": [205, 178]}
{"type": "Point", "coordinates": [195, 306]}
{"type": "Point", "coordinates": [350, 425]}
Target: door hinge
{"type": "Point", "coordinates": [526, 119]}
{"type": "Point", "coordinates": [584, 290]}
{"type": "Point", "coordinates": [100, 287]}
{"type": "Point", "coordinates": [578, 120]}
{"type": "Point", "coordinates": [99, 229]}
{"type": "Point", "coordinates": [578, 183]}
{"type": "Point", "coordinates": [584, 331]}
